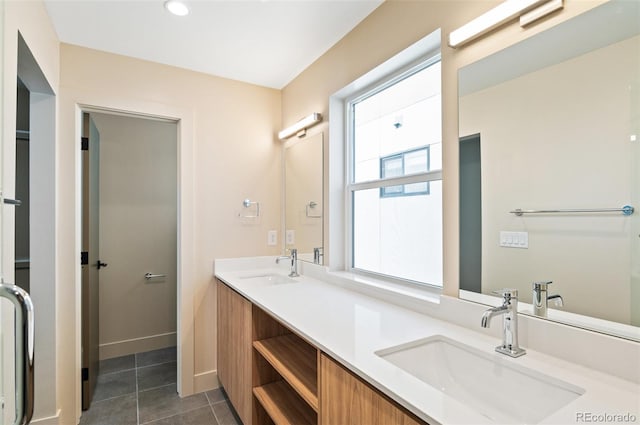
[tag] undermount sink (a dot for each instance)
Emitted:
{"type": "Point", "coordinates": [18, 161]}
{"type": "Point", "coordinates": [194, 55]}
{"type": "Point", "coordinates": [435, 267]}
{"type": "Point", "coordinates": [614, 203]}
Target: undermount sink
{"type": "Point", "coordinates": [500, 390]}
{"type": "Point", "coordinates": [270, 278]}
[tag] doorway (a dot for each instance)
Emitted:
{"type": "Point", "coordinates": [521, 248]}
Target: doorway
{"type": "Point", "coordinates": [470, 214]}
{"type": "Point", "coordinates": [135, 239]}
{"type": "Point", "coordinates": [22, 257]}
{"type": "Point", "coordinates": [28, 225]}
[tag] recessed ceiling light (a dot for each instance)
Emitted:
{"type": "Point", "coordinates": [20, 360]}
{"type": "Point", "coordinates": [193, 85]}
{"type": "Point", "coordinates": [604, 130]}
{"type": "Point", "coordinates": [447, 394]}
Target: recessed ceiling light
{"type": "Point", "coordinates": [176, 7]}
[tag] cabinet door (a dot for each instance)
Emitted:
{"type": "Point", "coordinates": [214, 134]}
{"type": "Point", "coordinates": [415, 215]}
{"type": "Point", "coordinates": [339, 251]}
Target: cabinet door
{"type": "Point", "coordinates": [234, 349]}
{"type": "Point", "coordinates": [347, 400]}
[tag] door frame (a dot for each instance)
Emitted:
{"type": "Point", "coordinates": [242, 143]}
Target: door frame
{"type": "Point", "coordinates": [42, 215]}
{"type": "Point", "coordinates": [184, 120]}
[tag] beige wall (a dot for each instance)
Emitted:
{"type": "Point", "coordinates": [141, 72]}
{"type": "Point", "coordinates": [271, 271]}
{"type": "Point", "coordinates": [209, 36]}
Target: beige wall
{"type": "Point", "coordinates": [559, 165]}
{"type": "Point", "coordinates": [388, 30]}
{"type": "Point", "coordinates": [230, 128]}
{"type": "Point", "coordinates": [138, 233]}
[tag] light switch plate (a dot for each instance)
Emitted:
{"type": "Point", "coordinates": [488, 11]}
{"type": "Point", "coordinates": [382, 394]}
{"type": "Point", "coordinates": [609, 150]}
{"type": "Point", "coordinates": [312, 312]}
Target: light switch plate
{"type": "Point", "coordinates": [514, 239]}
{"type": "Point", "coordinates": [272, 238]}
{"type": "Point", "coordinates": [290, 237]}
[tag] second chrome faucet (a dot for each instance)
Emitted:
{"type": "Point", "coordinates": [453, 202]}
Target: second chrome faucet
{"type": "Point", "coordinates": [509, 312]}
{"type": "Point", "coordinates": [294, 262]}
{"type": "Point", "coordinates": [541, 298]}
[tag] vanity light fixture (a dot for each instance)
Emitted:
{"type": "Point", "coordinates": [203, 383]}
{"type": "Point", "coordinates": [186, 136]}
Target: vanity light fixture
{"type": "Point", "coordinates": [495, 17]}
{"type": "Point", "coordinates": [539, 12]}
{"type": "Point", "coordinates": [176, 7]}
{"type": "Point", "coordinates": [300, 128]}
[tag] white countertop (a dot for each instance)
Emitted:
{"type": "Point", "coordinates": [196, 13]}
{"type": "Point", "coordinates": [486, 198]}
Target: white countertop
{"type": "Point", "coordinates": [350, 327]}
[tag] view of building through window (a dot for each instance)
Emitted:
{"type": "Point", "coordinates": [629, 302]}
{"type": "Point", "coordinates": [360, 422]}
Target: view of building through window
{"type": "Point", "coordinates": [401, 164]}
{"type": "Point", "coordinates": [396, 134]}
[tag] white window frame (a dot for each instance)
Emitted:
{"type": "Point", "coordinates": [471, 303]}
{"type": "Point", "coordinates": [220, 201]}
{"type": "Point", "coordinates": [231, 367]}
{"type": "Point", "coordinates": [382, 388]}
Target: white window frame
{"type": "Point", "coordinates": [350, 187]}
{"type": "Point", "coordinates": [338, 215]}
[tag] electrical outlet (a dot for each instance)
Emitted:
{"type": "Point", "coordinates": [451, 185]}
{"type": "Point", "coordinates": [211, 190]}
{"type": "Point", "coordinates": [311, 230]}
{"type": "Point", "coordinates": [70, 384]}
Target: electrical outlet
{"type": "Point", "coordinates": [272, 238]}
{"type": "Point", "coordinates": [291, 237]}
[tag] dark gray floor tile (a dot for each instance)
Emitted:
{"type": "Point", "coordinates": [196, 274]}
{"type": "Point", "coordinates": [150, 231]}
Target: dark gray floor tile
{"type": "Point", "coordinates": [156, 376]}
{"type": "Point", "coordinates": [163, 355]}
{"type": "Point", "coordinates": [115, 411]}
{"type": "Point", "coordinates": [225, 414]}
{"type": "Point", "coordinates": [116, 401]}
{"type": "Point", "coordinates": [117, 364]}
{"type": "Point", "coordinates": [202, 416]}
{"type": "Point", "coordinates": [115, 384]}
{"type": "Point", "coordinates": [216, 396]}
{"type": "Point", "coordinates": [165, 401]}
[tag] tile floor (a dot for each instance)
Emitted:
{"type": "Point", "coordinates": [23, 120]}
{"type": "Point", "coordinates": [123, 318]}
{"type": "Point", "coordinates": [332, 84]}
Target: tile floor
{"type": "Point", "coordinates": [141, 389]}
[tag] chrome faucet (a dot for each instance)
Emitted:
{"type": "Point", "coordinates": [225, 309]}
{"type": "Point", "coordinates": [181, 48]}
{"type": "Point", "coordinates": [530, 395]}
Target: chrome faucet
{"type": "Point", "coordinates": [541, 299]}
{"type": "Point", "coordinates": [294, 262]}
{"type": "Point", "coordinates": [509, 311]}
{"type": "Point", "coordinates": [317, 253]}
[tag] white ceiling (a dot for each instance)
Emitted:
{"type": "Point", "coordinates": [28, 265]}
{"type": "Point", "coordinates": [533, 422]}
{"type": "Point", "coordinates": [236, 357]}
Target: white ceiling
{"type": "Point", "coordinates": [266, 42]}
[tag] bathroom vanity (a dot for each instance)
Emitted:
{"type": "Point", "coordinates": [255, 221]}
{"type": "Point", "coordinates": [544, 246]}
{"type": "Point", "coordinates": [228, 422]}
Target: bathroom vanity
{"type": "Point", "coordinates": [316, 349]}
{"type": "Point", "coordinates": [272, 374]}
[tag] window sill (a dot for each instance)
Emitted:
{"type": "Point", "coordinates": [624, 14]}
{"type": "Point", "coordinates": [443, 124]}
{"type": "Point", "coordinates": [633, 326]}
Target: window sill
{"type": "Point", "coordinates": [406, 295]}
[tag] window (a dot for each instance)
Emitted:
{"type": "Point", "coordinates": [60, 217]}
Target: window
{"type": "Point", "coordinates": [394, 186]}
{"type": "Point", "coordinates": [401, 164]}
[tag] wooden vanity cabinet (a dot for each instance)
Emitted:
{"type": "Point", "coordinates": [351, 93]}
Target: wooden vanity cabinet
{"type": "Point", "coordinates": [273, 376]}
{"type": "Point", "coordinates": [234, 349]}
{"type": "Point", "coordinates": [348, 400]}
{"type": "Point", "coordinates": [262, 366]}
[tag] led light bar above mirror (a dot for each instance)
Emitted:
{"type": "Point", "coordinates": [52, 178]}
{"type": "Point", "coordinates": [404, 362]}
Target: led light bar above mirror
{"type": "Point", "coordinates": [300, 128]}
{"type": "Point", "coordinates": [506, 11]}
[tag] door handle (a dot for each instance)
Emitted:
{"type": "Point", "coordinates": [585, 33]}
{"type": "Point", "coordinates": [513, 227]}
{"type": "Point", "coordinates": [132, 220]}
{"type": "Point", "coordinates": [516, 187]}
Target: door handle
{"type": "Point", "coordinates": [100, 264]}
{"type": "Point", "coordinates": [24, 361]}
{"type": "Point", "coordinates": [10, 201]}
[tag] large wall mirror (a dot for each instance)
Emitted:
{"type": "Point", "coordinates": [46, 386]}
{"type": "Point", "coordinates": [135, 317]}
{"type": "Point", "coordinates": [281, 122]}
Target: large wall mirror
{"type": "Point", "coordinates": [303, 165]}
{"type": "Point", "coordinates": [551, 125]}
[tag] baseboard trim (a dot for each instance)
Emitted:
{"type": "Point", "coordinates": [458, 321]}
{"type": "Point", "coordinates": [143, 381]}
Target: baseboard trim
{"type": "Point", "coordinates": [205, 381]}
{"type": "Point", "coordinates": [50, 420]}
{"type": "Point", "coordinates": [137, 345]}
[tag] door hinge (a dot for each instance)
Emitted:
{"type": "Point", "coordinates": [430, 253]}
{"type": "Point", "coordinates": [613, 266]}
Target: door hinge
{"type": "Point", "coordinates": [85, 373]}
{"type": "Point", "coordinates": [84, 257]}
{"type": "Point", "coordinates": [84, 144]}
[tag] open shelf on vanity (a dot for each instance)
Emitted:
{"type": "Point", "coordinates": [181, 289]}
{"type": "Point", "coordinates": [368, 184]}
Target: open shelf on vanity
{"type": "Point", "coordinates": [283, 405]}
{"type": "Point", "coordinates": [296, 361]}
{"type": "Point", "coordinates": [285, 384]}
